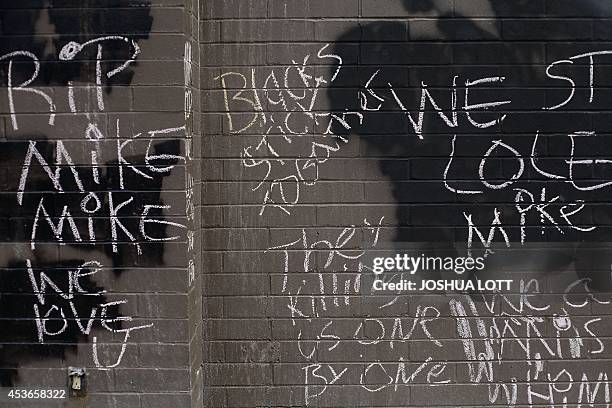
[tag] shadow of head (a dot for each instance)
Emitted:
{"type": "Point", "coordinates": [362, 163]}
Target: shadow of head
{"type": "Point", "coordinates": [419, 6]}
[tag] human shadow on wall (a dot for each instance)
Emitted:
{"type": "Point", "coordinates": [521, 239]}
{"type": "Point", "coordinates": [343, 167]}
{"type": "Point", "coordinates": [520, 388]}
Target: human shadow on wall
{"type": "Point", "coordinates": [43, 31]}
{"type": "Point", "coordinates": [432, 219]}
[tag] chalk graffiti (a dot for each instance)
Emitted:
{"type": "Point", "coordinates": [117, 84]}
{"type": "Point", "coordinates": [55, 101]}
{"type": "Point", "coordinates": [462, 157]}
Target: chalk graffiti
{"type": "Point", "coordinates": [292, 120]}
{"type": "Point", "coordinates": [324, 273]}
{"type": "Point", "coordinates": [101, 196]}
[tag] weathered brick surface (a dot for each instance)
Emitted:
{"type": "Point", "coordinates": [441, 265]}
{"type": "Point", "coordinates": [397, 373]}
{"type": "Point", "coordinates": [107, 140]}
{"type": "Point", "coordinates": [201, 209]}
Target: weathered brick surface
{"type": "Point", "coordinates": [100, 199]}
{"type": "Point", "coordinates": [288, 197]}
{"type": "Point", "coordinates": [224, 194]}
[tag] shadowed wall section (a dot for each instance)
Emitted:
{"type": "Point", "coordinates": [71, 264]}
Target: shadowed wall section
{"type": "Point", "coordinates": [339, 131]}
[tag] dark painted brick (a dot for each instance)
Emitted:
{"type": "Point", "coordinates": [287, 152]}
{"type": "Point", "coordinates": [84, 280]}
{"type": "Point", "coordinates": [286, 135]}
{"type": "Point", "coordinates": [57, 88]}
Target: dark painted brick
{"type": "Point", "coordinates": [238, 374]}
{"type": "Point", "coordinates": [372, 8]}
{"type": "Point", "coordinates": [576, 8]}
{"type": "Point", "coordinates": [499, 8]}
{"type": "Point", "coordinates": [218, 9]}
{"type": "Point", "coordinates": [383, 31]}
{"type": "Point", "coordinates": [233, 54]}
{"type": "Point", "coordinates": [336, 30]}
{"type": "Point", "coordinates": [410, 53]}
{"type": "Point", "coordinates": [271, 30]}
{"type": "Point", "coordinates": [499, 53]}
{"type": "Point", "coordinates": [550, 30]}
{"type": "Point", "coordinates": [139, 380]}
{"type": "Point", "coordinates": [313, 8]}
{"type": "Point", "coordinates": [226, 339]}
{"type": "Point", "coordinates": [231, 329]}
{"type": "Point", "coordinates": [164, 400]}
{"type": "Point", "coordinates": [455, 29]}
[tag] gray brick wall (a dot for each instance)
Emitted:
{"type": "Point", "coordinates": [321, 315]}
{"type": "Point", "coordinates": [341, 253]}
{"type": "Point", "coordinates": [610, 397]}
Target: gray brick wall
{"type": "Point", "coordinates": [100, 245]}
{"type": "Point", "coordinates": [294, 206]}
{"type": "Point", "coordinates": [207, 182]}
